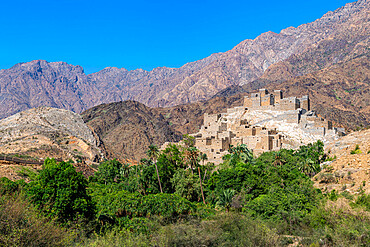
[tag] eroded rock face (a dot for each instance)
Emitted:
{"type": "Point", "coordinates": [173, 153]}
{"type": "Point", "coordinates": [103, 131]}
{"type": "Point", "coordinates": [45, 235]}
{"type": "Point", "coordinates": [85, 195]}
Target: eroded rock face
{"type": "Point", "coordinates": [337, 37]}
{"type": "Point", "coordinates": [48, 132]}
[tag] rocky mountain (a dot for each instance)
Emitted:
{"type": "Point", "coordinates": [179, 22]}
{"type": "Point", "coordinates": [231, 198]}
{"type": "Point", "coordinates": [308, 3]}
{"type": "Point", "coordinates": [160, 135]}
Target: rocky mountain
{"type": "Point", "coordinates": [48, 132]}
{"type": "Point", "coordinates": [337, 37]}
{"type": "Point", "coordinates": [39, 83]}
{"type": "Point", "coordinates": [342, 33]}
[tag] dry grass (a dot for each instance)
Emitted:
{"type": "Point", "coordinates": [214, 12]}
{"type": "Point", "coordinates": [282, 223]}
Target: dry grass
{"type": "Point", "coordinates": [22, 225]}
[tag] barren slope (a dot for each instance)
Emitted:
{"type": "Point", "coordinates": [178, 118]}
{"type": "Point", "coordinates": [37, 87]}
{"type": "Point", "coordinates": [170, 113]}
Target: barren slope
{"type": "Point", "coordinates": [47, 132]}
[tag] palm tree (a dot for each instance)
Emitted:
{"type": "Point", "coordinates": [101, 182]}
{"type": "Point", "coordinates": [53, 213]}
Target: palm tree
{"type": "Point", "coordinates": [201, 187]}
{"type": "Point", "coordinates": [192, 157]}
{"type": "Point", "coordinates": [225, 199]}
{"type": "Point", "coordinates": [203, 157]}
{"type": "Point", "coordinates": [153, 153]}
{"type": "Point", "coordinates": [307, 166]}
{"type": "Point", "coordinates": [240, 153]}
{"type": "Point", "coordinates": [278, 159]}
{"type": "Point", "coordinates": [125, 170]}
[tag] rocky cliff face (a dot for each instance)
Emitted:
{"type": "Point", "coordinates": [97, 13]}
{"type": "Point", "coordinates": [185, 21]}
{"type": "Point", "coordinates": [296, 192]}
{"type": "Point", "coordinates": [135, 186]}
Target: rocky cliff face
{"type": "Point", "coordinates": [128, 128]}
{"type": "Point", "coordinates": [337, 37]}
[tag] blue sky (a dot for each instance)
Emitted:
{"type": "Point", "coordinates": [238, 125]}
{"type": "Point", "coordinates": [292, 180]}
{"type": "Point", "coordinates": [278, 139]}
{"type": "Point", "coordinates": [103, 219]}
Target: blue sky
{"type": "Point", "coordinates": [141, 34]}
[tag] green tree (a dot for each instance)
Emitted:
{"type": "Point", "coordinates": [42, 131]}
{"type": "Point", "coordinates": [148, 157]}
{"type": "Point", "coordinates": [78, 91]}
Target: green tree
{"type": "Point", "coordinates": [148, 180]}
{"type": "Point", "coordinates": [186, 185]}
{"type": "Point", "coordinates": [109, 171]}
{"type": "Point", "coordinates": [278, 159]}
{"type": "Point", "coordinates": [60, 192]}
{"type": "Point", "coordinates": [307, 166]}
{"type": "Point", "coordinates": [202, 157]}
{"type": "Point", "coordinates": [153, 153]}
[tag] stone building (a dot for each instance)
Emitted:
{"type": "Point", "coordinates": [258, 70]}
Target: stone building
{"type": "Point", "coordinates": [263, 100]}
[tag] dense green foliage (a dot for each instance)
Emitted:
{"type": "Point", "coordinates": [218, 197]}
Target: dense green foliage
{"type": "Point", "coordinates": [60, 192]}
{"type": "Point", "coordinates": [110, 171]}
{"type": "Point", "coordinates": [249, 201]}
{"type": "Point", "coordinates": [112, 200]}
{"type": "Point", "coordinates": [272, 186]}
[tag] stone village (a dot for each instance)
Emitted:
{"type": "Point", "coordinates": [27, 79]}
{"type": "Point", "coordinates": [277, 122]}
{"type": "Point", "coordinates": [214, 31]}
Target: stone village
{"type": "Point", "coordinates": [236, 126]}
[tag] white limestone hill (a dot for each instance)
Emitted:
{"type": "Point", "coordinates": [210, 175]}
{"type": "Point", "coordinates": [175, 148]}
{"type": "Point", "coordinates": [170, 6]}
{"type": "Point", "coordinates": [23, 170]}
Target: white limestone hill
{"type": "Point", "coordinates": [48, 132]}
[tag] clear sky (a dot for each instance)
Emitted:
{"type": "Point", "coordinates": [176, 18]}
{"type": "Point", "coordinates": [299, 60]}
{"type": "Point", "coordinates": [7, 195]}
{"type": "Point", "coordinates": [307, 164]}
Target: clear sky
{"type": "Point", "coordinates": [141, 34]}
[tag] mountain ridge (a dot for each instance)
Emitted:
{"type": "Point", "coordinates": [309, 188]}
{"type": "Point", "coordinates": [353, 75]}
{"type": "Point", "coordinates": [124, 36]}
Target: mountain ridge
{"type": "Point", "coordinates": [270, 57]}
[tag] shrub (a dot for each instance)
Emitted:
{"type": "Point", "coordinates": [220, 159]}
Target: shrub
{"type": "Point", "coordinates": [326, 178]}
{"type": "Point", "coordinates": [335, 223]}
{"type": "Point", "coordinates": [7, 186]}
{"type": "Point", "coordinates": [118, 203]}
{"type": "Point", "coordinates": [356, 150]}
{"type": "Point", "coordinates": [363, 200]}
{"type": "Point", "coordinates": [221, 230]}
{"type": "Point", "coordinates": [347, 195]}
{"type": "Point", "coordinates": [117, 237]}
{"type": "Point", "coordinates": [329, 169]}
{"type": "Point", "coordinates": [60, 192]}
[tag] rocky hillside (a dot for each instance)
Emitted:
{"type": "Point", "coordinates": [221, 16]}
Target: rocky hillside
{"type": "Point", "coordinates": [338, 37]}
{"type": "Point", "coordinates": [47, 132]}
{"type": "Point", "coordinates": [128, 128]}
{"type": "Point", "coordinates": [350, 171]}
